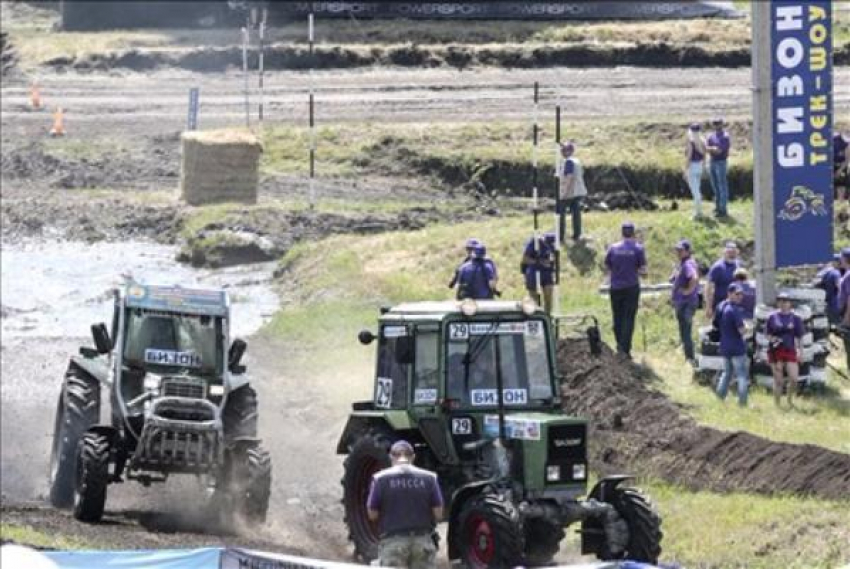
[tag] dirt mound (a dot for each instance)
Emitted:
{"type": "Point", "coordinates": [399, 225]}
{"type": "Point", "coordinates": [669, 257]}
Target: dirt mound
{"type": "Point", "coordinates": [638, 429]}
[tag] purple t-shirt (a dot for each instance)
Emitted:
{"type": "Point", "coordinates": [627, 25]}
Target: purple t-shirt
{"type": "Point", "coordinates": [624, 260]}
{"type": "Point", "coordinates": [785, 326]}
{"type": "Point", "coordinates": [545, 252]}
{"type": "Point", "coordinates": [721, 274]}
{"type": "Point", "coordinates": [569, 166]}
{"type": "Point", "coordinates": [696, 155]}
{"type": "Point", "coordinates": [721, 141]}
{"type": "Point", "coordinates": [404, 497]}
{"type": "Point", "coordinates": [687, 270]}
{"type": "Point", "coordinates": [839, 148]}
{"type": "Point", "coordinates": [748, 303]}
{"type": "Point", "coordinates": [843, 293]}
{"type": "Point", "coordinates": [829, 280]}
{"type": "Point", "coordinates": [731, 321]}
{"type": "Point", "coordinates": [474, 277]}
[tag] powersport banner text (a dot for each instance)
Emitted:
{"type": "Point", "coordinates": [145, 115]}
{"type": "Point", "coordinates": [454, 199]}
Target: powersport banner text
{"type": "Point", "coordinates": [801, 76]}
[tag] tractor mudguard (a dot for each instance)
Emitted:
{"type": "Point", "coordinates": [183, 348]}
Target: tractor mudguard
{"type": "Point", "coordinates": [95, 368]}
{"type": "Point", "coordinates": [600, 489]}
{"type": "Point", "coordinates": [238, 380]}
{"type": "Point", "coordinates": [361, 421]}
{"type": "Point", "coordinates": [459, 498]}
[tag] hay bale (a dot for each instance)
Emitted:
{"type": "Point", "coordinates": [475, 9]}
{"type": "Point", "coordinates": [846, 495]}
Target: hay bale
{"type": "Point", "coordinates": [219, 166]}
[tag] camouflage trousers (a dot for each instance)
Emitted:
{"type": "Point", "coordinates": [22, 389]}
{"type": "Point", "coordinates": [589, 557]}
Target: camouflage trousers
{"type": "Point", "coordinates": [413, 552]}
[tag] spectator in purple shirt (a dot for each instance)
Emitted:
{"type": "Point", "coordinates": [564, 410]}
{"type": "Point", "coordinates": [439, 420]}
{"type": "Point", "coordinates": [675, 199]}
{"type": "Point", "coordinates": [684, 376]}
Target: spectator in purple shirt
{"type": "Point", "coordinates": [748, 302]}
{"type": "Point", "coordinates": [685, 297]}
{"type": "Point", "coordinates": [829, 279]}
{"type": "Point", "coordinates": [625, 263]}
{"type": "Point", "coordinates": [718, 145]}
{"type": "Point", "coordinates": [784, 332]}
{"type": "Point", "coordinates": [730, 321]}
{"type": "Point", "coordinates": [720, 275]}
{"type": "Point", "coordinates": [844, 303]}
{"type": "Point", "coordinates": [538, 267]}
{"type": "Point", "coordinates": [477, 276]}
{"type": "Point", "coordinates": [695, 157]}
{"type": "Point", "coordinates": [840, 165]}
{"type": "Point", "coordinates": [407, 504]}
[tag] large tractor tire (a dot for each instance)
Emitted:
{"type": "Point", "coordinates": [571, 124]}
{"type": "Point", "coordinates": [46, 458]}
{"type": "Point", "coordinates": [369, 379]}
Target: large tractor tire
{"type": "Point", "coordinates": [258, 488]}
{"type": "Point", "coordinates": [542, 541]}
{"type": "Point", "coordinates": [368, 455]}
{"type": "Point", "coordinates": [92, 477]}
{"type": "Point", "coordinates": [240, 414]}
{"type": "Point", "coordinates": [77, 410]}
{"type": "Point", "coordinates": [489, 533]}
{"type": "Point", "coordinates": [644, 527]}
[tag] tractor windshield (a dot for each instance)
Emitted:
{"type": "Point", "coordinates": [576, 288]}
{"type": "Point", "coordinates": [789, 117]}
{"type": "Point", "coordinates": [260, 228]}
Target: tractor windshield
{"type": "Point", "coordinates": [516, 350]}
{"type": "Point", "coordinates": [166, 343]}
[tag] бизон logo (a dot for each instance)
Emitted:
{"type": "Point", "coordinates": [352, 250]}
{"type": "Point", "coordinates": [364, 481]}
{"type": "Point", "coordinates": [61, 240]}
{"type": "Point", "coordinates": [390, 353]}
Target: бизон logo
{"type": "Point", "coordinates": [802, 201]}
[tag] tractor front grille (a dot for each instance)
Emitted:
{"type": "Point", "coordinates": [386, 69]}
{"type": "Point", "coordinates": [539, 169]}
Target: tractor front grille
{"type": "Point", "coordinates": [190, 387]}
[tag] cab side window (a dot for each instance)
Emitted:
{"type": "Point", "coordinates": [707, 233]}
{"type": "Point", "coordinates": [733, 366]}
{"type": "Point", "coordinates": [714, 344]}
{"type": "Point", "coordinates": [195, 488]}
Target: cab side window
{"type": "Point", "coordinates": [425, 368]}
{"type": "Point", "coordinates": [393, 369]}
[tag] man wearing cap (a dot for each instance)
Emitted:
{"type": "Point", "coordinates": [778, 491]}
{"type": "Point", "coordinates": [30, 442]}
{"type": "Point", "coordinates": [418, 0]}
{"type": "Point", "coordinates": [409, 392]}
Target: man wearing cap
{"type": "Point", "coordinates": [720, 276]}
{"type": "Point", "coordinates": [538, 262]}
{"type": "Point", "coordinates": [844, 303]}
{"type": "Point", "coordinates": [477, 276]}
{"type": "Point", "coordinates": [829, 279]}
{"type": "Point", "coordinates": [571, 191]}
{"type": "Point", "coordinates": [695, 157]}
{"type": "Point", "coordinates": [685, 297]}
{"type": "Point", "coordinates": [784, 333]}
{"type": "Point", "coordinates": [730, 322]}
{"type": "Point", "coordinates": [748, 301]}
{"type": "Point", "coordinates": [407, 503]}
{"type": "Point", "coordinates": [625, 263]}
{"type": "Point", "coordinates": [718, 145]}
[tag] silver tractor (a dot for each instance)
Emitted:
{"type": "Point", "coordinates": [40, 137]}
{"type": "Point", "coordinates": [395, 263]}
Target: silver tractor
{"type": "Point", "coordinates": [178, 402]}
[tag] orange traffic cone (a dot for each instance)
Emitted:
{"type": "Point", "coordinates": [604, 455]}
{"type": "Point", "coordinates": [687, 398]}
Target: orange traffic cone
{"type": "Point", "coordinates": [35, 97]}
{"type": "Point", "coordinates": [58, 123]}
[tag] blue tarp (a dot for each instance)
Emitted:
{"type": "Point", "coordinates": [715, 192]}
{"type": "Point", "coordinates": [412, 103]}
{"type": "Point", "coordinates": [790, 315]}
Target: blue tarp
{"type": "Point", "coordinates": [204, 558]}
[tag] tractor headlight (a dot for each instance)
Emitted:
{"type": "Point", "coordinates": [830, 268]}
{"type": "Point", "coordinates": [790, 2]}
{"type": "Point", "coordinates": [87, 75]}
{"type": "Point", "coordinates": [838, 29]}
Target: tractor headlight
{"type": "Point", "coordinates": [216, 390]}
{"type": "Point", "coordinates": [468, 307]}
{"type": "Point", "coordinates": [553, 473]}
{"type": "Point", "coordinates": [528, 306]}
{"type": "Point", "coordinates": [152, 382]}
{"type": "Point", "coordinates": [579, 472]}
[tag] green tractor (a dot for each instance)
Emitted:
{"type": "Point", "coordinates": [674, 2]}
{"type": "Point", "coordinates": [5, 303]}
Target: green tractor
{"type": "Point", "coordinates": [473, 386]}
{"type": "Point", "coordinates": [179, 403]}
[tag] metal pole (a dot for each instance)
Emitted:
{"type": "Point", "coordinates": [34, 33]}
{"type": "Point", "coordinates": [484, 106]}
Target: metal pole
{"type": "Point", "coordinates": [534, 204]}
{"type": "Point", "coordinates": [763, 154]}
{"type": "Point", "coordinates": [556, 301]}
{"type": "Point", "coordinates": [262, 64]}
{"type": "Point", "coordinates": [245, 73]}
{"type": "Point", "coordinates": [312, 121]}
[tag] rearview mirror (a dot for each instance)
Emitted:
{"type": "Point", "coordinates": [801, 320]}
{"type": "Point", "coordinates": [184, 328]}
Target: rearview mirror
{"type": "Point", "coordinates": [366, 337]}
{"type": "Point", "coordinates": [102, 342]}
{"type": "Point", "coordinates": [234, 355]}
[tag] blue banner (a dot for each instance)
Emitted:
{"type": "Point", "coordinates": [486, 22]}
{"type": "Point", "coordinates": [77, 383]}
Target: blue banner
{"type": "Point", "coordinates": [801, 79]}
{"type": "Point", "coordinates": [203, 558]}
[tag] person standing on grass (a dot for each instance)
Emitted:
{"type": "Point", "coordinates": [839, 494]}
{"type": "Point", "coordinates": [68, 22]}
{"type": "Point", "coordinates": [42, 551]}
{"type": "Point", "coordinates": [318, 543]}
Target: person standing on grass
{"type": "Point", "coordinates": [784, 333]}
{"type": "Point", "coordinates": [571, 192]}
{"type": "Point", "coordinates": [470, 244]}
{"type": "Point", "coordinates": [720, 276]}
{"type": "Point", "coordinates": [718, 145]}
{"type": "Point", "coordinates": [625, 263]}
{"type": "Point", "coordinates": [685, 297]}
{"type": "Point", "coordinates": [840, 165]}
{"type": "Point", "coordinates": [540, 260]}
{"type": "Point", "coordinates": [695, 157]}
{"type": "Point", "coordinates": [829, 279]}
{"type": "Point", "coordinates": [844, 303]}
{"type": "Point", "coordinates": [730, 321]}
{"type": "Point", "coordinates": [407, 503]}
{"type": "Point", "coordinates": [748, 302]}
{"type": "Point", "coordinates": [477, 276]}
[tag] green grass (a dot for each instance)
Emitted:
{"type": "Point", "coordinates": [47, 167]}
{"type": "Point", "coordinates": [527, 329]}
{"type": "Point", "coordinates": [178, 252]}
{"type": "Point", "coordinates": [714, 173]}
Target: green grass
{"type": "Point", "coordinates": [26, 535]}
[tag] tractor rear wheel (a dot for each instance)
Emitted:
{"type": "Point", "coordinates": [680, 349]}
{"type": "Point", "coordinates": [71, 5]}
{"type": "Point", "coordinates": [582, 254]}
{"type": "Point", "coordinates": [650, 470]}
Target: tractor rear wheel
{"type": "Point", "coordinates": [489, 533]}
{"type": "Point", "coordinates": [644, 526]}
{"type": "Point", "coordinates": [92, 477]}
{"type": "Point", "coordinates": [542, 541]}
{"type": "Point", "coordinates": [368, 455]}
{"type": "Point", "coordinates": [78, 409]}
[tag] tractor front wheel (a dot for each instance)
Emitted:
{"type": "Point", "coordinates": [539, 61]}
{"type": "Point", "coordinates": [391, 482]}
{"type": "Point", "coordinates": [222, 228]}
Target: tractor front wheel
{"type": "Point", "coordinates": [92, 477]}
{"type": "Point", "coordinates": [489, 533]}
{"type": "Point", "coordinates": [542, 541]}
{"type": "Point", "coordinates": [644, 526]}
{"type": "Point", "coordinates": [368, 455]}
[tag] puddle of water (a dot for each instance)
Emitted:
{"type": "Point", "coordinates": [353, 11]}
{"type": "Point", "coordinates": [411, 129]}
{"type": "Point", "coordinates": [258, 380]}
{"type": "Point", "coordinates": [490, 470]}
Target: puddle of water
{"type": "Point", "coordinates": [59, 289]}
